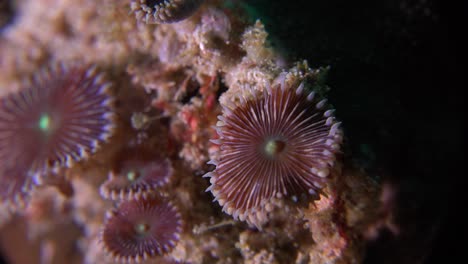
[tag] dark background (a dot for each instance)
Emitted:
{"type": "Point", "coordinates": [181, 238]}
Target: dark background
{"type": "Point", "coordinates": [396, 82]}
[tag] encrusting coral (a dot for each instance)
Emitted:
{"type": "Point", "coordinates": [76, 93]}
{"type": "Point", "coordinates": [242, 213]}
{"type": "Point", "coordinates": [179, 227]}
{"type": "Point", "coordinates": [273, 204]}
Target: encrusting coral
{"type": "Point", "coordinates": [140, 196]}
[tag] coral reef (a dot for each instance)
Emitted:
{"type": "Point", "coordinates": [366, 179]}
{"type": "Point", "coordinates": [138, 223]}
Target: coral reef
{"type": "Point", "coordinates": [170, 82]}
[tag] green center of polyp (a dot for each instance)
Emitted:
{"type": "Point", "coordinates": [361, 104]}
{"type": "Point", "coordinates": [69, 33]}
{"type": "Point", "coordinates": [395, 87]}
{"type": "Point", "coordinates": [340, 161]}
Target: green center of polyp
{"type": "Point", "coordinates": [274, 147]}
{"type": "Point", "coordinates": [132, 175]}
{"type": "Point", "coordinates": [44, 122]}
{"type": "Point", "coordinates": [142, 228]}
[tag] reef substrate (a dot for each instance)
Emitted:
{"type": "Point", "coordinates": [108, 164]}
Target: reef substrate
{"type": "Point", "coordinates": [169, 83]}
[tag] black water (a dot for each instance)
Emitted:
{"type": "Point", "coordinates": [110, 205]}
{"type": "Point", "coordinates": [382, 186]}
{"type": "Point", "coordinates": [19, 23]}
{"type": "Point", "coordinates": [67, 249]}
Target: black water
{"type": "Point", "coordinates": [396, 80]}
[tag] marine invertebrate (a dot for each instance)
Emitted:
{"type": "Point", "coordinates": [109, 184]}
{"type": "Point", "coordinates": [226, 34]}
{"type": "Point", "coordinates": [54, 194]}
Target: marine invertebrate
{"type": "Point", "coordinates": [163, 11]}
{"type": "Point", "coordinates": [61, 116]}
{"type": "Point", "coordinates": [277, 144]}
{"type": "Point", "coordinates": [140, 229]}
{"type": "Point", "coordinates": [137, 174]}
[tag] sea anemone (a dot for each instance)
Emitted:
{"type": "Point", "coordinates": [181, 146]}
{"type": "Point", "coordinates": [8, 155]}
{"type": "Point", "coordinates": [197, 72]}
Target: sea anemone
{"type": "Point", "coordinates": [137, 174]}
{"type": "Point", "coordinates": [278, 144]}
{"type": "Point", "coordinates": [163, 11]}
{"type": "Point", "coordinates": [140, 229]}
{"type": "Point", "coordinates": [63, 114]}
